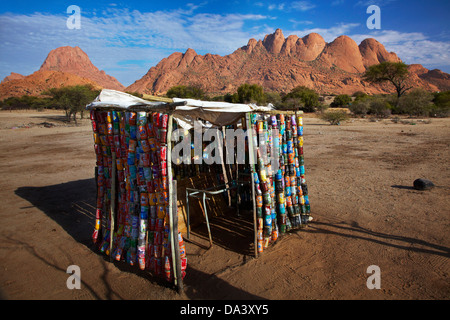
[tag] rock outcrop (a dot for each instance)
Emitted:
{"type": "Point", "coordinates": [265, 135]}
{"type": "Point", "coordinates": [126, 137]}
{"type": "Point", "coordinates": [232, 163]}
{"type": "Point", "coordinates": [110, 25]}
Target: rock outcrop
{"type": "Point", "coordinates": [276, 63]}
{"type": "Point", "coordinates": [75, 61]}
{"type": "Point", "coordinates": [40, 81]}
{"type": "Point", "coordinates": [64, 66]}
{"type": "Point", "coordinates": [280, 64]}
{"type": "Point", "coordinates": [13, 76]}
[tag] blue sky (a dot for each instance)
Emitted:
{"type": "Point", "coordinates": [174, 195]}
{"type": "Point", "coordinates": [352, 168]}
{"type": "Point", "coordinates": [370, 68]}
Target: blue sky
{"type": "Point", "coordinates": [127, 38]}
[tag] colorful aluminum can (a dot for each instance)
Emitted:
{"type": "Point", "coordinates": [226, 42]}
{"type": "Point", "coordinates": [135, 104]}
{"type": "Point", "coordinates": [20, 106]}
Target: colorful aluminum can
{"type": "Point", "coordinates": [163, 136]}
{"type": "Point", "coordinates": [164, 121]}
{"type": "Point", "coordinates": [259, 201]}
{"type": "Point", "coordinates": [163, 168]}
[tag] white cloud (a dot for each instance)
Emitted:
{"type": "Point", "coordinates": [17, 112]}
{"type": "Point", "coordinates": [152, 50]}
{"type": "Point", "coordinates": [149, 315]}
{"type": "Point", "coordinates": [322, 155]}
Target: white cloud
{"type": "Point", "coordinates": [127, 43]}
{"type": "Point", "coordinates": [302, 5]}
{"type": "Point", "coordinates": [295, 23]}
{"type": "Point", "coordinates": [411, 47]}
{"type": "Point", "coordinates": [289, 7]}
{"type": "Point", "coordinates": [118, 35]}
{"type": "Point", "coordinates": [380, 3]}
{"type": "Point", "coordinates": [329, 34]}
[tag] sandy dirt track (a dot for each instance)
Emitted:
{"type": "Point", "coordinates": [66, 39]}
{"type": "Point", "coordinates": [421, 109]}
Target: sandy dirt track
{"type": "Point", "coordinates": [360, 178]}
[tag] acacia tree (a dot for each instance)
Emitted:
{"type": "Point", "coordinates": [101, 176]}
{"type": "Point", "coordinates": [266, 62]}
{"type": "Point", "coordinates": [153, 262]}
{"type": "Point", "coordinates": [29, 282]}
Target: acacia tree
{"type": "Point", "coordinates": [73, 99]}
{"type": "Point", "coordinates": [301, 98]}
{"type": "Point", "coordinates": [394, 72]}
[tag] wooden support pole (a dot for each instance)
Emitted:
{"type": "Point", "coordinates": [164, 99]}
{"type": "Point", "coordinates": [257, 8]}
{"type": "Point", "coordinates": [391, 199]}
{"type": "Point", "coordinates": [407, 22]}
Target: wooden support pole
{"type": "Point", "coordinates": [252, 167]}
{"type": "Point", "coordinates": [113, 205]}
{"type": "Point", "coordinates": [173, 228]}
{"type": "Point", "coordinates": [177, 271]}
{"type": "Point", "coordinates": [222, 159]}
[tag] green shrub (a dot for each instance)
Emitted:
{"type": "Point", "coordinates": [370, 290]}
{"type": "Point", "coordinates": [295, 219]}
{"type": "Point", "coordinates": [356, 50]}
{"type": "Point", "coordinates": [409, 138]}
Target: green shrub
{"type": "Point", "coordinates": [341, 100]}
{"type": "Point", "coordinates": [322, 107]}
{"type": "Point", "coordinates": [135, 93]}
{"type": "Point", "coordinates": [439, 111]}
{"type": "Point", "coordinates": [187, 92]}
{"type": "Point", "coordinates": [441, 107]}
{"type": "Point", "coordinates": [251, 93]}
{"type": "Point", "coordinates": [360, 108]}
{"type": "Point", "coordinates": [359, 95]}
{"type": "Point", "coordinates": [231, 98]}
{"type": "Point", "coordinates": [334, 117]}
{"type": "Point", "coordinates": [26, 102]}
{"type": "Point", "coordinates": [417, 102]}
{"type": "Point", "coordinates": [301, 98]}
{"type": "Point", "coordinates": [379, 107]}
{"type": "Point", "coordinates": [273, 98]}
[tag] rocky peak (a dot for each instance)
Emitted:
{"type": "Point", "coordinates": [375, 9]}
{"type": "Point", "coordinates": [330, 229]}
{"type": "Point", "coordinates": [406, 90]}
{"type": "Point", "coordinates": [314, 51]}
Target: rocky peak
{"type": "Point", "coordinates": [343, 53]}
{"type": "Point", "coordinates": [13, 76]}
{"type": "Point", "coordinates": [289, 45]}
{"type": "Point", "coordinates": [75, 61]}
{"type": "Point", "coordinates": [279, 64]}
{"type": "Point", "coordinates": [274, 42]}
{"type": "Point", "coordinates": [250, 46]}
{"type": "Point", "coordinates": [310, 46]}
{"type": "Point", "coordinates": [374, 52]}
{"type": "Point", "coordinates": [417, 69]}
{"type": "Point", "coordinates": [188, 56]}
{"type": "Point", "coordinates": [313, 40]}
{"type": "Point", "coordinates": [66, 59]}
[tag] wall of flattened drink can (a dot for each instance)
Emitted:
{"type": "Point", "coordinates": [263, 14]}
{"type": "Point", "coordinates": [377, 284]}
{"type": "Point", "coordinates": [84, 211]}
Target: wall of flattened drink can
{"type": "Point", "coordinates": [141, 234]}
{"type": "Point", "coordinates": [282, 202]}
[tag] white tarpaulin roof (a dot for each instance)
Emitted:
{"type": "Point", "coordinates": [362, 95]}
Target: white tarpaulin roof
{"type": "Point", "coordinates": [217, 113]}
{"type": "Point", "coordinates": [116, 99]}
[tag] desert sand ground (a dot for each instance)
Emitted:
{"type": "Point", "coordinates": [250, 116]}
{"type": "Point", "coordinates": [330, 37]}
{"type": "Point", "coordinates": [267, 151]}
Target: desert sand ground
{"type": "Point", "coordinates": [360, 176]}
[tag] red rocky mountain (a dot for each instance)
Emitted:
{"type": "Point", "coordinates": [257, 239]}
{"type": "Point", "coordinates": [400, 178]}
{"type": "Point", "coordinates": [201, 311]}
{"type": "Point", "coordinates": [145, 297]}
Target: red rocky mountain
{"type": "Point", "coordinates": [13, 76]}
{"type": "Point", "coordinates": [64, 66]}
{"type": "Point", "coordinates": [75, 61]}
{"type": "Point", "coordinates": [279, 64]}
{"type": "Point", "coordinates": [39, 81]}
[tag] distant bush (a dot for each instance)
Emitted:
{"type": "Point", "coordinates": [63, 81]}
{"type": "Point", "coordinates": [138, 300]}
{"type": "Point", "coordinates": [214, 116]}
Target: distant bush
{"type": "Point", "coordinates": [341, 100]}
{"type": "Point", "coordinates": [360, 108]}
{"type": "Point", "coordinates": [321, 107]}
{"type": "Point", "coordinates": [359, 95]}
{"type": "Point", "coordinates": [231, 98]}
{"type": "Point", "coordinates": [334, 117]}
{"type": "Point", "coordinates": [251, 93]}
{"type": "Point", "coordinates": [187, 92]}
{"type": "Point", "coordinates": [274, 98]}
{"type": "Point", "coordinates": [301, 98]}
{"type": "Point", "coordinates": [441, 107]}
{"type": "Point", "coordinates": [417, 102]}
{"type": "Point", "coordinates": [72, 100]}
{"type": "Point", "coordinates": [442, 99]}
{"type": "Point", "coordinates": [136, 94]}
{"type": "Point", "coordinates": [26, 102]}
{"type": "Point", "coordinates": [217, 98]}
{"type": "Point", "coordinates": [379, 107]}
